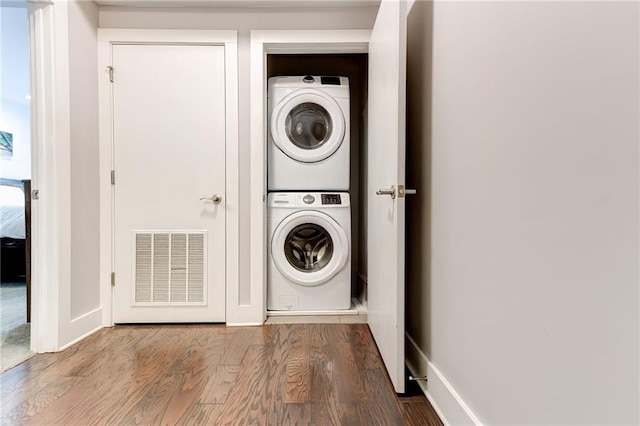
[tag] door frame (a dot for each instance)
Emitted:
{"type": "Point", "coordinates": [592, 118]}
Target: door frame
{"type": "Point", "coordinates": [263, 43]}
{"type": "Point", "coordinates": [227, 38]}
{"type": "Point", "coordinates": [50, 177]}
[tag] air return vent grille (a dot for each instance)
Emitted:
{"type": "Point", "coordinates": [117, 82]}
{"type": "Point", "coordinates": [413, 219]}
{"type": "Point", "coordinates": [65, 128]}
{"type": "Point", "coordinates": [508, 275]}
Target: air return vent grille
{"type": "Point", "coordinates": [170, 268]}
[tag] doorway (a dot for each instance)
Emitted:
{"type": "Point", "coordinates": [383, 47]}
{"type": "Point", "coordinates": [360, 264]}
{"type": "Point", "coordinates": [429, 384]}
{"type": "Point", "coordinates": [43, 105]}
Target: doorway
{"type": "Point", "coordinates": [15, 178]}
{"type": "Point", "coordinates": [354, 67]}
{"type": "Point", "coordinates": [171, 261]}
{"type": "Point", "coordinates": [386, 47]}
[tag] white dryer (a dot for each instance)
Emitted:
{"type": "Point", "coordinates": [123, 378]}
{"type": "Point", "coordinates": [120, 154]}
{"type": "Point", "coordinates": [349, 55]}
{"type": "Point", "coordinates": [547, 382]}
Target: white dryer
{"type": "Point", "coordinates": [309, 265]}
{"type": "Point", "coordinates": [308, 137]}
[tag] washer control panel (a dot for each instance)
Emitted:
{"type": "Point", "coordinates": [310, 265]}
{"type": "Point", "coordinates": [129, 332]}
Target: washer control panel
{"type": "Point", "coordinates": [308, 200]}
{"type": "Point", "coordinates": [331, 199]}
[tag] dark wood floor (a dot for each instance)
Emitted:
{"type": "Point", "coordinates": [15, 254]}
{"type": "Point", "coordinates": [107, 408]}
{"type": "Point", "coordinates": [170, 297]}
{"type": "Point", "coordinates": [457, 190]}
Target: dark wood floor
{"type": "Point", "coordinates": [322, 374]}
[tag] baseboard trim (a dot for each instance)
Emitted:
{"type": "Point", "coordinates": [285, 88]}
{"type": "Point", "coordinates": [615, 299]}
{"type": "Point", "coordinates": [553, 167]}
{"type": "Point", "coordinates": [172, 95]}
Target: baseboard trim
{"type": "Point", "coordinates": [83, 326]}
{"type": "Point", "coordinates": [449, 406]}
{"type": "Point", "coordinates": [73, 342]}
{"type": "Point", "coordinates": [244, 324]}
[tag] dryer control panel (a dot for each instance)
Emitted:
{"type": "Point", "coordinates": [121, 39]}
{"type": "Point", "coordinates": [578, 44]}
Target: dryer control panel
{"type": "Point", "coordinates": [303, 81]}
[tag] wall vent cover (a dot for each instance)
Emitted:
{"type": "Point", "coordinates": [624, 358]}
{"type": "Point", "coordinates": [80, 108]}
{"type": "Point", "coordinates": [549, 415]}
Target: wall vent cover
{"type": "Point", "coordinates": [169, 267]}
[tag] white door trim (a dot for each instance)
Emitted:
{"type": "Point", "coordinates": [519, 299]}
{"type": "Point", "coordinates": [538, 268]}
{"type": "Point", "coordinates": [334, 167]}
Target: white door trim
{"type": "Point", "coordinates": [50, 165]}
{"type": "Point", "coordinates": [262, 43]}
{"type": "Point", "coordinates": [228, 39]}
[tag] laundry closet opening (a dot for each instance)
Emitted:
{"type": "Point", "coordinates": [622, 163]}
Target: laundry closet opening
{"type": "Point", "coordinates": [354, 66]}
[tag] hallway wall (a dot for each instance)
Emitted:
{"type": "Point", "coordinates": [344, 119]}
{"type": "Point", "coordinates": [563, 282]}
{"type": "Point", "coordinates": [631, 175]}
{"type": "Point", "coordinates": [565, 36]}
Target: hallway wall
{"type": "Point", "coordinates": [14, 88]}
{"type": "Point", "coordinates": [85, 200]}
{"type": "Point", "coordinates": [243, 21]}
{"type": "Point", "coordinates": [522, 255]}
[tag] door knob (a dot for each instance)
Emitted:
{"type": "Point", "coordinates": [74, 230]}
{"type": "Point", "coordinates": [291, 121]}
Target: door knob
{"type": "Point", "coordinates": [391, 191]}
{"type": "Point", "coordinates": [215, 198]}
{"type": "Point", "coordinates": [402, 191]}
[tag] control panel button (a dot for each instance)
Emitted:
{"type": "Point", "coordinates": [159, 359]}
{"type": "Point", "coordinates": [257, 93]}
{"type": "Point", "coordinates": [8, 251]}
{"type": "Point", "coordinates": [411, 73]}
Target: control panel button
{"type": "Point", "coordinates": [308, 79]}
{"type": "Point", "coordinates": [308, 199]}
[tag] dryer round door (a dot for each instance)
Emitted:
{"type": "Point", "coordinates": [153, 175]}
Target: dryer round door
{"type": "Point", "coordinates": [308, 125]}
{"type": "Point", "coordinates": [309, 248]}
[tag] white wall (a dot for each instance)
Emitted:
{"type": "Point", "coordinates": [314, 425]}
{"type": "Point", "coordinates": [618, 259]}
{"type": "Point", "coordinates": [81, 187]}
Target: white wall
{"type": "Point", "coordinates": [525, 263]}
{"type": "Point", "coordinates": [243, 21]}
{"type": "Point", "coordinates": [14, 87]}
{"type": "Point", "coordinates": [85, 200]}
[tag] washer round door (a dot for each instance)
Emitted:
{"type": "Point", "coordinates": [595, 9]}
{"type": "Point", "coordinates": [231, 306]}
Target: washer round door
{"type": "Point", "coordinates": [308, 125]}
{"type": "Point", "coordinates": [309, 248]}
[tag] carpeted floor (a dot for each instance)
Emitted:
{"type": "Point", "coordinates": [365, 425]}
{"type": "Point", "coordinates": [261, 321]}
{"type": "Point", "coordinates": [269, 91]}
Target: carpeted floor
{"type": "Point", "coordinates": [14, 331]}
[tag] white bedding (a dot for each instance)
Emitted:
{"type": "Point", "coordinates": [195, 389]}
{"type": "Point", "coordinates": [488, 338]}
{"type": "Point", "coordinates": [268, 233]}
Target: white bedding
{"type": "Point", "coordinates": [11, 212]}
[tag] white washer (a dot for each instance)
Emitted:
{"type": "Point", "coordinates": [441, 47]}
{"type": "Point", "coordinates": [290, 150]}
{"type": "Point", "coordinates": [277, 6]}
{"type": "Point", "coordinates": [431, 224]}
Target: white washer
{"type": "Point", "coordinates": [308, 137]}
{"type": "Point", "coordinates": [309, 265]}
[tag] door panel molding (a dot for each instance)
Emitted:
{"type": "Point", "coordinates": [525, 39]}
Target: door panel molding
{"type": "Point", "coordinates": [106, 39]}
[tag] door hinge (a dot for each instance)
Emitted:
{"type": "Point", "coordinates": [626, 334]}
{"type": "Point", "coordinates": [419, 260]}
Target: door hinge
{"type": "Point", "coordinates": [113, 278]}
{"type": "Point", "coordinates": [110, 68]}
{"type": "Point", "coordinates": [113, 177]}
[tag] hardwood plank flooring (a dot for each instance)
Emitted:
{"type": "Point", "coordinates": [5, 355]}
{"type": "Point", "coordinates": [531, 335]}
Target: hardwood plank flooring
{"type": "Point", "coordinates": [278, 374]}
{"type": "Point", "coordinates": [297, 383]}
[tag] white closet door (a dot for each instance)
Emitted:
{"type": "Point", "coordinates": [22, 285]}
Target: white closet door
{"type": "Point", "coordinates": [169, 152]}
{"type": "Point", "coordinates": [386, 213]}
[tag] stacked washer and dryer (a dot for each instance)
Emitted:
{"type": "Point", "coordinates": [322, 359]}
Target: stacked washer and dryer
{"type": "Point", "coordinates": [308, 210]}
